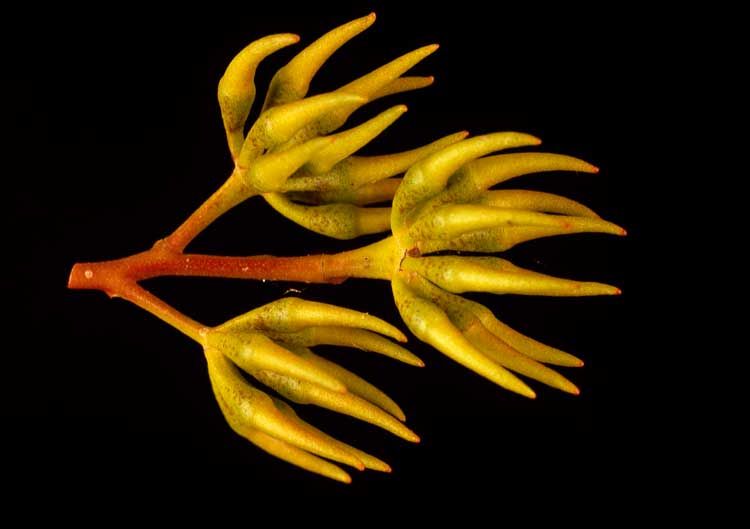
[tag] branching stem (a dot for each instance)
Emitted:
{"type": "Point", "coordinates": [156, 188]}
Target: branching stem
{"type": "Point", "coordinates": [230, 194]}
{"type": "Point", "coordinates": [120, 277]}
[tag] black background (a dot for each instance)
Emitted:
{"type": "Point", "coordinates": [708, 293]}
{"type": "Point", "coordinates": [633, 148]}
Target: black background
{"type": "Point", "coordinates": [118, 138]}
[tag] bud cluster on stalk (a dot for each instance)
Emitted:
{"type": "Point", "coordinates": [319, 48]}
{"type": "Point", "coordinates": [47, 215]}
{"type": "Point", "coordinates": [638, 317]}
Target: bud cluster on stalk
{"type": "Point", "coordinates": [445, 204]}
{"type": "Point", "coordinates": [272, 344]}
{"type": "Point", "coordinates": [290, 154]}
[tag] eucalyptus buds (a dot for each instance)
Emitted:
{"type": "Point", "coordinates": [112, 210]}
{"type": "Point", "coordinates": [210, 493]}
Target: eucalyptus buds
{"type": "Point", "coordinates": [444, 203]}
{"type": "Point", "coordinates": [271, 344]}
{"type": "Point", "coordinates": [292, 156]}
{"type": "Point", "coordinates": [289, 154]}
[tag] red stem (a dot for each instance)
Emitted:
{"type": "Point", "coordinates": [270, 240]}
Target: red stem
{"type": "Point", "coordinates": [147, 301]}
{"type": "Point", "coordinates": [230, 194]}
{"type": "Point", "coordinates": [119, 277]}
{"type": "Point", "coordinates": [110, 276]}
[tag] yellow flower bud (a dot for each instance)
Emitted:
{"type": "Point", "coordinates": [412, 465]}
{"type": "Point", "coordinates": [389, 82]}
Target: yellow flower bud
{"type": "Point", "coordinates": [237, 86]}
